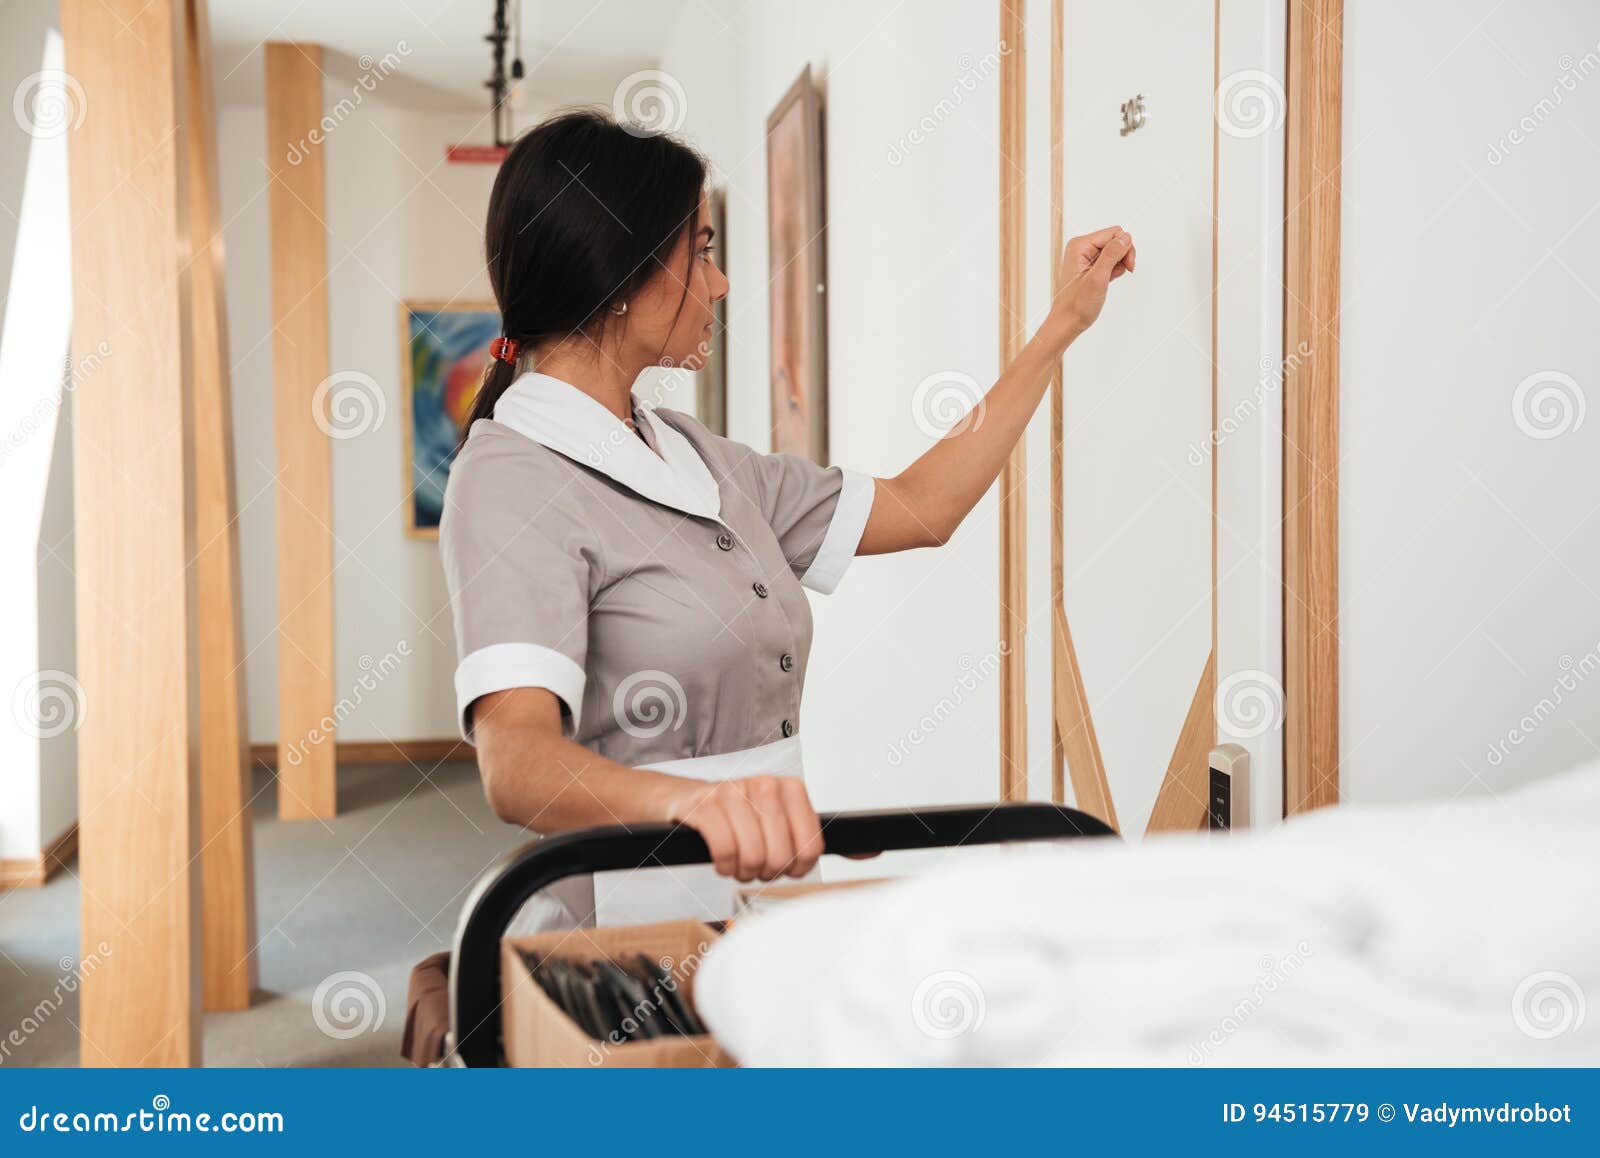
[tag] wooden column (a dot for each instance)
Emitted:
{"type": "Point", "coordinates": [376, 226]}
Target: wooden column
{"type": "Point", "coordinates": [133, 479]}
{"type": "Point", "coordinates": [305, 497]}
{"type": "Point", "coordinates": [1311, 408]}
{"type": "Point", "coordinates": [1058, 571]}
{"type": "Point", "coordinates": [226, 863]}
{"type": "Point", "coordinates": [1014, 474]}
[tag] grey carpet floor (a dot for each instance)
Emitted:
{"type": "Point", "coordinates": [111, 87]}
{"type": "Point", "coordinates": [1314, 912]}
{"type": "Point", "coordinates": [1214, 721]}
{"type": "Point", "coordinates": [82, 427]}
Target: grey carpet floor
{"type": "Point", "coordinates": [365, 896]}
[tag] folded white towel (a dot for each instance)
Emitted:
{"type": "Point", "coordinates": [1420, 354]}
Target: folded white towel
{"type": "Point", "coordinates": [1444, 933]}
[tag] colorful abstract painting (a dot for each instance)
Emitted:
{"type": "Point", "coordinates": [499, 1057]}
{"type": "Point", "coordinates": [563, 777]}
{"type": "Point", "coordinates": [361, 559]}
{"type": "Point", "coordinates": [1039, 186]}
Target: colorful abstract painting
{"type": "Point", "coordinates": [446, 351]}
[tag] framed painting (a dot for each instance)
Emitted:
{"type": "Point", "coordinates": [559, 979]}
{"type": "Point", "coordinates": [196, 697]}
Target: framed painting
{"type": "Point", "coordinates": [444, 351]}
{"type": "Point", "coordinates": [795, 255]}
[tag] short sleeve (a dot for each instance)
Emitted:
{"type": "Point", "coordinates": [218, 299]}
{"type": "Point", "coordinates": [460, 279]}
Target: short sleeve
{"type": "Point", "coordinates": [818, 514]}
{"type": "Point", "coordinates": [518, 573]}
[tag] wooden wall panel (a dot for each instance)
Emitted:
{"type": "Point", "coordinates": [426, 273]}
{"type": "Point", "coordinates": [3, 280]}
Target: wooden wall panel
{"type": "Point", "coordinates": [1182, 804]}
{"type": "Point", "coordinates": [1311, 407]}
{"type": "Point", "coordinates": [300, 361]}
{"type": "Point", "coordinates": [1074, 725]}
{"type": "Point", "coordinates": [133, 489]}
{"type": "Point", "coordinates": [1058, 571]}
{"type": "Point", "coordinates": [226, 863]}
{"type": "Point", "coordinates": [1013, 475]}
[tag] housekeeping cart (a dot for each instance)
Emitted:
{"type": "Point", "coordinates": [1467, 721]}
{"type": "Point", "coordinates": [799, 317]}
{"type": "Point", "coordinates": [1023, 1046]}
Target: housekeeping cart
{"type": "Point", "coordinates": [474, 979]}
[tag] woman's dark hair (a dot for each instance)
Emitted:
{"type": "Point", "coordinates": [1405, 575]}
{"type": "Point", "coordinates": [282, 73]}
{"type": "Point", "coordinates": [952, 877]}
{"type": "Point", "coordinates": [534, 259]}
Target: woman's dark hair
{"type": "Point", "coordinates": [582, 213]}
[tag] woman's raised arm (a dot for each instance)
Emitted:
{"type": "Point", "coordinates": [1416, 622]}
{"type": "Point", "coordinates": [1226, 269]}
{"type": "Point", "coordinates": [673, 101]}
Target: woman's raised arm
{"type": "Point", "coordinates": [923, 504]}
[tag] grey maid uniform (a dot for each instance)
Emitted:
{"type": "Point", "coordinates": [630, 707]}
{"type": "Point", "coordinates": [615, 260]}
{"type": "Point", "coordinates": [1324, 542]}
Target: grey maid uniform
{"type": "Point", "coordinates": [658, 596]}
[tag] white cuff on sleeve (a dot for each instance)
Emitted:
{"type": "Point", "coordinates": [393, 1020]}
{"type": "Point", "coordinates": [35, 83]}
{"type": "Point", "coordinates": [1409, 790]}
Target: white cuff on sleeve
{"type": "Point", "coordinates": [517, 665]}
{"type": "Point", "coordinates": [844, 533]}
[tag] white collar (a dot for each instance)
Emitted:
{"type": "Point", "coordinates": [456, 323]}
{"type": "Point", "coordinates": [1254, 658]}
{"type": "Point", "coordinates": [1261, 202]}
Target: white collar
{"type": "Point", "coordinates": [557, 415]}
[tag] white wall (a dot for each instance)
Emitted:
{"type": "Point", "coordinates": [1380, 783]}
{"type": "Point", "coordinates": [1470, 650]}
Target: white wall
{"type": "Point", "coordinates": [1470, 541]}
{"type": "Point", "coordinates": [401, 224]}
{"type": "Point", "coordinates": [43, 702]}
{"type": "Point", "coordinates": [904, 660]}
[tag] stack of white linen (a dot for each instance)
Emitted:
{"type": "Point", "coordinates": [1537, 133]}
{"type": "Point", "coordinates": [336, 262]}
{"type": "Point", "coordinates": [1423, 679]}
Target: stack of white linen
{"type": "Point", "coordinates": [1450, 933]}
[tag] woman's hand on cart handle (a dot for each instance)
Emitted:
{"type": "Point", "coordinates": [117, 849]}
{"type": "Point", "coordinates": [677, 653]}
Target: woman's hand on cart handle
{"type": "Point", "coordinates": [757, 828]}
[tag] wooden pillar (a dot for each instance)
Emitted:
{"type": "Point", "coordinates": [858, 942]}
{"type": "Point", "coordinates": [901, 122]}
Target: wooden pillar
{"type": "Point", "coordinates": [1014, 474]}
{"type": "Point", "coordinates": [133, 489]}
{"type": "Point", "coordinates": [1058, 570]}
{"type": "Point", "coordinates": [1311, 407]}
{"type": "Point", "coordinates": [305, 498]}
{"type": "Point", "coordinates": [226, 868]}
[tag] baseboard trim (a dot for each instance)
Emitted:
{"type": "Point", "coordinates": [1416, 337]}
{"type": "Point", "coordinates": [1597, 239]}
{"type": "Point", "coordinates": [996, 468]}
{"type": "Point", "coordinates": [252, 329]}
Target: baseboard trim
{"type": "Point", "coordinates": [31, 872]}
{"type": "Point", "coordinates": [424, 753]}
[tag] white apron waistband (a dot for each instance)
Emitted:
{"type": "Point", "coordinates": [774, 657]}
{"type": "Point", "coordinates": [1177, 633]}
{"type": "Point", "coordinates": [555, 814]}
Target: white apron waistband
{"type": "Point", "coordinates": [781, 758]}
{"type": "Point", "coordinates": [635, 896]}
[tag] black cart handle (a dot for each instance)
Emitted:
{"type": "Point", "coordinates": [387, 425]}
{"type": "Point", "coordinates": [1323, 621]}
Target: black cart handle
{"type": "Point", "coordinates": [506, 886]}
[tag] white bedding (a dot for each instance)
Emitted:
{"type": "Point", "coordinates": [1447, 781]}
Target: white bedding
{"type": "Point", "coordinates": [1465, 932]}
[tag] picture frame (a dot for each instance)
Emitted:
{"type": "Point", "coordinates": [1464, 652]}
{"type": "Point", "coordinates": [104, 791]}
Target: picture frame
{"type": "Point", "coordinates": [444, 351]}
{"type": "Point", "coordinates": [711, 384]}
{"type": "Point", "coordinates": [796, 253]}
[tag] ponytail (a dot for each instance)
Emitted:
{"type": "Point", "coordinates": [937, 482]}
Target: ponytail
{"type": "Point", "coordinates": [497, 379]}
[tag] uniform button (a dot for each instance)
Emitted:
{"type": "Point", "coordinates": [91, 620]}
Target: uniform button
{"type": "Point", "coordinates": [786, 662]}
{"type": "Point", "coordinates": [788, 728]}
{"type": "Point", "coordinates": [725, 541]}
{"type": "Point", "coordinates": [761, 590]}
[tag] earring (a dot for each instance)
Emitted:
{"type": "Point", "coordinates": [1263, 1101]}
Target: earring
{"type": "Point", "coordinates": [620, 308]}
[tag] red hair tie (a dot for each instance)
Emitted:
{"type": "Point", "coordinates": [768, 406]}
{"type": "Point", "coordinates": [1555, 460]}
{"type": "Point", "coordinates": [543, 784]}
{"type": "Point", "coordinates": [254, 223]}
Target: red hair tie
{"type": "Point", "coordinates": [504, 349]}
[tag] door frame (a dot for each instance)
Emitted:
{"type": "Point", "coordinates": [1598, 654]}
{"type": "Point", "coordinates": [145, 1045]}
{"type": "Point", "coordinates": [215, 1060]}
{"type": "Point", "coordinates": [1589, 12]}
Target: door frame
{"type": "Point", "coordinates": [1311, 406]}
{"type": "Point", "coordinates": [1310, 428]}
